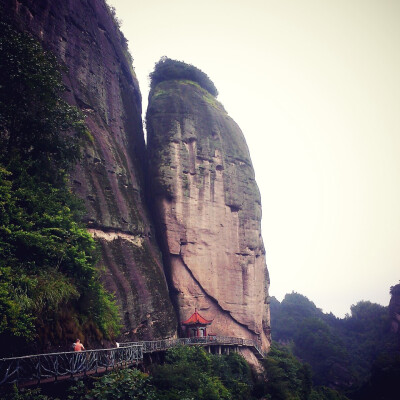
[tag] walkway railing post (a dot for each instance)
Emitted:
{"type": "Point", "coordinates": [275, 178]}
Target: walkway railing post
{"type": "Point", "coordinates": [56, 369]}
{"type": "Point", "coordinates": [39, 369]}
{"type": "Point", "coordinates": [17, 372]}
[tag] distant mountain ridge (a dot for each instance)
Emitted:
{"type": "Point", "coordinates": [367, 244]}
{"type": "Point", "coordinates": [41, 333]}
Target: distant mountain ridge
{"type": "Point", "coordinates": [342, 352]}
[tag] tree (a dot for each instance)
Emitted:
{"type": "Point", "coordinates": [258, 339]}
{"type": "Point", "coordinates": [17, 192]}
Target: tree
{"type": "Point", "coordinates": [126, 384]}
{"type": "Point", "coordinates": [40, 132]}
{"type": "Point", "coordinates": [341, 352]}
{"type": "Point", "coordinates": [167, 69]}
{"type": "Point", "coordinates": [285, 377]}
{"type": "Point", "coordinates": [187, 373]}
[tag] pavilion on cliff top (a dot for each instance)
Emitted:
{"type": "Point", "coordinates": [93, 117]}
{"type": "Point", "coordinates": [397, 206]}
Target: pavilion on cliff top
{"type": "Point", "coordinates": [196, 325]}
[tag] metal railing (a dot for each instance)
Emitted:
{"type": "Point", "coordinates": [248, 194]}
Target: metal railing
{"type": "Point", "coordinates": [54, 366]}
{"type": "Point", "coordinates": [161, 345]}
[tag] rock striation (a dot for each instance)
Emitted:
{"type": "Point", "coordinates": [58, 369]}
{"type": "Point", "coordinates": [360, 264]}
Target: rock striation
{"type": "Point", "coordinates": [208, 209]}
{"type": "Point", "coordinates": [83, 34]}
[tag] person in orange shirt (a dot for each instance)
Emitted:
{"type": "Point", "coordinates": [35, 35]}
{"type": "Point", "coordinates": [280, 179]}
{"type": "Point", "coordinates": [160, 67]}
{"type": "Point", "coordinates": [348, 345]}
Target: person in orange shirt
{"type": "Point", "coordinates": [78, 346]}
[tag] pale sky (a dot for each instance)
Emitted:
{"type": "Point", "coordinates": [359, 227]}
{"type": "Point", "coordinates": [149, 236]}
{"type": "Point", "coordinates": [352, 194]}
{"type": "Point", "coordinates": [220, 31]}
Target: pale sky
{"type": "Point", "coordinates": [315, 87]}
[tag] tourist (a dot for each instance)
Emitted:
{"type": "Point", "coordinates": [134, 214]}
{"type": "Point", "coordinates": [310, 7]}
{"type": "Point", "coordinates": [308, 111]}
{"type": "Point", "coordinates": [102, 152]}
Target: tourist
{"type": "Point", "coordinates": [78, 346]}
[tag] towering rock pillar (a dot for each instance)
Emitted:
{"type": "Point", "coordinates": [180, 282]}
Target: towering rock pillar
{"type": "Point", "coordinates": [207, 204]}
{"type": "Point", "coordinates": [100, 80]}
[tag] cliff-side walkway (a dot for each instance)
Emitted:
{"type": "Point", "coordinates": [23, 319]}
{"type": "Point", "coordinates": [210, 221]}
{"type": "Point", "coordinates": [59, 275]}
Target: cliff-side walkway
{"type": "Point", "coordinates": [51, 367]}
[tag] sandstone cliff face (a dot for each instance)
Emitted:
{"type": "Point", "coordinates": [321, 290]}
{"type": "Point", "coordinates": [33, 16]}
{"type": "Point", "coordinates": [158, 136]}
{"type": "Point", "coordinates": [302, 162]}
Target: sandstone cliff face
{"type": "Point", "coordinates": [209, 210]}
{"type": "Point", "coordinates": [101, 82]}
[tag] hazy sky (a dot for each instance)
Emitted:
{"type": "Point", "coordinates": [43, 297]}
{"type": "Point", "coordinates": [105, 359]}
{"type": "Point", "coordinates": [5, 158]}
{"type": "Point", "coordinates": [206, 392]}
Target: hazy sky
{"type": "Point", "coordinates": [315, 87]}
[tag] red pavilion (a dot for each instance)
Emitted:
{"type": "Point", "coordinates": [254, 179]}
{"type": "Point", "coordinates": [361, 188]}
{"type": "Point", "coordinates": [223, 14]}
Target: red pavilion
{"type": "Point", "coordinates": [196, 325]}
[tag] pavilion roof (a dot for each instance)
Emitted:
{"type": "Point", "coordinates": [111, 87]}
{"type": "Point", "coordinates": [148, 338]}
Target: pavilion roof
{"type": "Point", "coordinates": [196, 319]}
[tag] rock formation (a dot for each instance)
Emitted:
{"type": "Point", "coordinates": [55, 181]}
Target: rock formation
{"type": "Point", "coordinates": [101, 82]}
{"type": "Point", "coordinates": [208, 208]}
{"type": "Point", "coordinates": [206, 201]}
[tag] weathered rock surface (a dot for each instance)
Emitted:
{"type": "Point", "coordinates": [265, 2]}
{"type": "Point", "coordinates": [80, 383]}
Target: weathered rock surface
{"type": "Point", "coordinates": [101, 82]}
{"type": "Point", "coordinates": [208, 209]}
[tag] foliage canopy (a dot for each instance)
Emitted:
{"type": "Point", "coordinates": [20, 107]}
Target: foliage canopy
{"type": "Point", "coordinates": [190, 372]}
{"type": "Point", "coordinates": [39, 130]}
{"type": "Point", "coordinates": [167, 69]}
{"type": "Point", "coordinates": [343, 353]}
{"type": "Point", "coordinates": [285, 376]}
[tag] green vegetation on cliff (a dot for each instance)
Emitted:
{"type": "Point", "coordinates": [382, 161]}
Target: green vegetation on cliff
{"type": "Point", "coordinates": [167, 69]}
{"type": "Point", "coordinates": [190, 372]}
{"type": "Point", "coordinates": [48, 283]}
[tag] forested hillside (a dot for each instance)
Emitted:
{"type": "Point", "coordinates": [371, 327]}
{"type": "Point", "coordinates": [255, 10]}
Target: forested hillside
{"type": "Point", "coordinates": [357, 355]}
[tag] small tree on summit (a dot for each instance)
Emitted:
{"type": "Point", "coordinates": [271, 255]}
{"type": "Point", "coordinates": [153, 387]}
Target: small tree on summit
{"type": "Point", "coordinates": [167, 69]}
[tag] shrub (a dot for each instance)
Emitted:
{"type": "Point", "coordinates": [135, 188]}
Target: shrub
{"type": "Point", "coordinates": [119, 385]}
{"type": "Point", "coordinates": [285, 377]}
{"type": "Point", "coordinates": [190, 372]}
{"type": "Point", "coordinates": [167, 69]}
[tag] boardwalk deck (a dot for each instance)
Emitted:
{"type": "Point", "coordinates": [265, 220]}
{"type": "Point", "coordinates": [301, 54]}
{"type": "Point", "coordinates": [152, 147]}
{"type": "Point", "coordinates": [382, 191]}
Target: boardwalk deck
{"type": "Point", "coordinates": [43, 368]}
